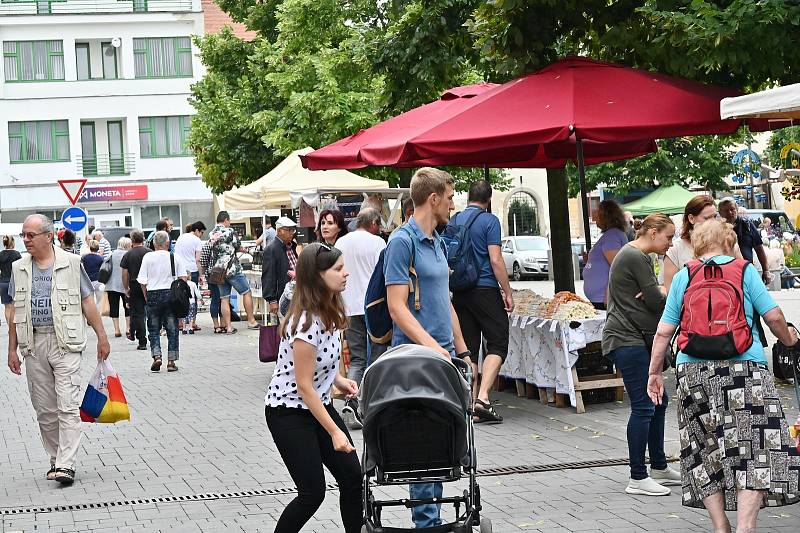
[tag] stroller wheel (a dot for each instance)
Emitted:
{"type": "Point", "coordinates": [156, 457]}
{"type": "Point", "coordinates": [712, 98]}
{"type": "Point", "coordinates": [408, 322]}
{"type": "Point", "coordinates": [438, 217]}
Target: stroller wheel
{"type": "Point", "coordinates": [486, 525]}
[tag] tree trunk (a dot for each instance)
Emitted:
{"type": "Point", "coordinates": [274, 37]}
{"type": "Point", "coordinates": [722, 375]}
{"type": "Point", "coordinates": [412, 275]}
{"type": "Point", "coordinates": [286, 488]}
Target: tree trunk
{"type": "Point", "coordinates": [559, 230]}
{"type": "Point", "coordinates": [404, 177]}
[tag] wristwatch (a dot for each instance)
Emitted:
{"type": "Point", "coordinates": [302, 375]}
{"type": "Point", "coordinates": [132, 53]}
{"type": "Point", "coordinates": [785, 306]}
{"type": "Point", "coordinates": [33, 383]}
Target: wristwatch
{"type": "Point", "coordinates": [465, 353]}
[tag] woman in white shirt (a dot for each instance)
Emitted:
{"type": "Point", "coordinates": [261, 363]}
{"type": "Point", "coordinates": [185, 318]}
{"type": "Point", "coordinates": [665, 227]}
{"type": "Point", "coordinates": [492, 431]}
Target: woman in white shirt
{"type": "Point", "coordinates": [698, 210]}
{"type": "Point", "coordinates": [307, 430]}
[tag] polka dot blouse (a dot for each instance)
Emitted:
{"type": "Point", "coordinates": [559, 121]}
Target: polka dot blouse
{"type": "Point", "coordinates": [282, 390]}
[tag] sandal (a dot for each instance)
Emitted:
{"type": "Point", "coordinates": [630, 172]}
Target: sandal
{"type": "Point", "coordinates": [65, 476]}
{"type": "Point", "coordinates": [253, 326]}
{"type": "Point", "coordinates": [172, 367]}
{"type": "Point", "coordinates": [156, 366]}
{"type": "Point", "coordinates": [197, 328]}
{"type": "Point", "coordinates": [232, 331]}
{"type": "Point", "coordinates": [51, 474]}
{"type": "Point", "coordinates": [219, 330]}
{"type": "Point", "coordinates": [484, 412]}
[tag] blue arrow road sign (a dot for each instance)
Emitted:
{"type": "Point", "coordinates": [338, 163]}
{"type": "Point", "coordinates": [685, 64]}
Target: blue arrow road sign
{"type": "Point", "coordinates": [74, 218]}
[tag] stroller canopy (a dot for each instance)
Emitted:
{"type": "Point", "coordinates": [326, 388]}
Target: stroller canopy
{"type": "Point", "coordinates": [414, 374]}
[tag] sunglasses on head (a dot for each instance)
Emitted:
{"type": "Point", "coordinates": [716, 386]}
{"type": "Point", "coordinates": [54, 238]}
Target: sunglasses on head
{"type": "Point", "coordinates": [324, 246]}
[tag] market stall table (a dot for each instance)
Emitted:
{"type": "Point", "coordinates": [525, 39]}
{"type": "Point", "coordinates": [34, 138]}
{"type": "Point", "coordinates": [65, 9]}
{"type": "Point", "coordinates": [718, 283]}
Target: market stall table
{"type": "Point", "coordinates": [543, 352]}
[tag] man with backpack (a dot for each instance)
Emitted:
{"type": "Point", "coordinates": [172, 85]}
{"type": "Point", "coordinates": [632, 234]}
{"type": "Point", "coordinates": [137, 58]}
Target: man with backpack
{"type": "Point", "coordinates": [415, 256]}
{"type": "Point", "coordinates": [158, 271]}
{"type": "Point", "coordinates": [481, 306]}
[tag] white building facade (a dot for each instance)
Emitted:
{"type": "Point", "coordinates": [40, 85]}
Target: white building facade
{"type": "Point", "coordinates": [98, 89]}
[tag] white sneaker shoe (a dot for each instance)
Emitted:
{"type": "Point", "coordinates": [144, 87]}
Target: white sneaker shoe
{"type": "Point", "coordinates": [646, 487]}
{"type": "Point", "coordinates": [668, 476]}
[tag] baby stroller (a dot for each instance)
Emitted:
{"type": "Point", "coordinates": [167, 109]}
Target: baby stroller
{"type": "Point", "coordinates": [415, 407]}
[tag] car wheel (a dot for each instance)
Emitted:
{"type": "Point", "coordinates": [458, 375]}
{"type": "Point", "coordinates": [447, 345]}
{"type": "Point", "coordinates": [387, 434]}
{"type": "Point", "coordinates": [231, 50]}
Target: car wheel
{"type": "Point", "coordinates": [516, 272]}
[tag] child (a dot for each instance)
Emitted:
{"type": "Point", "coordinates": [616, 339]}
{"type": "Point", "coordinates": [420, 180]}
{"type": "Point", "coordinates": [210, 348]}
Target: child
{"type": "Point", "coordinates": [195, 299]}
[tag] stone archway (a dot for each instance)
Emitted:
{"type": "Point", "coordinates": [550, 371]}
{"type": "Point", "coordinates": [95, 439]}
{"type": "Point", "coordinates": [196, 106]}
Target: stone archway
{"type": "Point", "coordinates": [522, 213]}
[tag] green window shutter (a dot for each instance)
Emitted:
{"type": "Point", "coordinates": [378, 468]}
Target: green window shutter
{"type": "Point", "coordinates": [164, 136]}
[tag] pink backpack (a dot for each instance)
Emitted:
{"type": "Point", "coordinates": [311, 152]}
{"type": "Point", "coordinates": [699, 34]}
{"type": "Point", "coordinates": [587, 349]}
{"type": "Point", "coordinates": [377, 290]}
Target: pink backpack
{"type": "Point", "coordinates": [713, 322]}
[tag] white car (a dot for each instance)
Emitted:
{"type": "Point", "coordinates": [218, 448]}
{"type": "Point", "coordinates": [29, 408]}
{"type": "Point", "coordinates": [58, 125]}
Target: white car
{"type": "Point", "coordinates": [525, 256]}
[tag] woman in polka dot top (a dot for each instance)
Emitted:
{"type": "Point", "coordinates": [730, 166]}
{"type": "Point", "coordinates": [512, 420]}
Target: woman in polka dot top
{"type": "Point", "coordinates": [307, 430]}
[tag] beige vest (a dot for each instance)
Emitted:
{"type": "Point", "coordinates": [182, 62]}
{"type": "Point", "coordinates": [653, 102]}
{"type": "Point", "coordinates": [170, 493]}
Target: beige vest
{"type": "Point", "coordinates": [68, 319]}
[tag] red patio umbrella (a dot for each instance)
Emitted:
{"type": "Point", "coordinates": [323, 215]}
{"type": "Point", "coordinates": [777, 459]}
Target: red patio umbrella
{"type": "Point", "coordinates": [573, 104]}
{"type": "Point", "coordinates": [387, 143]}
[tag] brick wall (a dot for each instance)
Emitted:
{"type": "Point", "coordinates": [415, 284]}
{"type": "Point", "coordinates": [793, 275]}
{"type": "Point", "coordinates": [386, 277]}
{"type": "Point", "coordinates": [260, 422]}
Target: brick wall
{"type": "Point", "coordinates": [215, 18]}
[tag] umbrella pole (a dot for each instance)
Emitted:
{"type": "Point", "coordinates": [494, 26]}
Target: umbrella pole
{"type": "Point", "coordinates": [584, 198]}
{"type": "Point", "coordinates": [486, 172]}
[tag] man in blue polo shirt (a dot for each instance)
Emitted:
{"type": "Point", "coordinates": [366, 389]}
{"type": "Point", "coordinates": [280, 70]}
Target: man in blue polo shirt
{"type": "Point", "coordinates": [434, 324]}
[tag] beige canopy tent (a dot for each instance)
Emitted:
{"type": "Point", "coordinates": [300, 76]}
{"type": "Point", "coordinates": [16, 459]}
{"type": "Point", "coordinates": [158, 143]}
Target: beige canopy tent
{"type": "Point", "coordinates": [273, 190]}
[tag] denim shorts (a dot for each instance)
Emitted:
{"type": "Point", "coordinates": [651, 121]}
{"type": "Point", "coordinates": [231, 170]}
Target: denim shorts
{"type": "Point", "coordinates": [238, 282]}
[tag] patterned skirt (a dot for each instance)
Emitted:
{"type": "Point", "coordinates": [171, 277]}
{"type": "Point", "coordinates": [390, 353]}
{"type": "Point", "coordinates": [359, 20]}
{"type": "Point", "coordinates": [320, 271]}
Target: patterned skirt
{"type": "Point", "coordinates": [733, 434]}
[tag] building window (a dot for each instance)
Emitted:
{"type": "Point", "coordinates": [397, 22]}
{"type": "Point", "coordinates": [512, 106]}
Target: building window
{"type": "Point", "coordinates": [83, 61]}
{"type": "Point", "coordinates": [42, 141]}
{"type": "Point", "coordinates": [151, 214]}
{"type": "Point", "coordinates": [33, 60]}
{"type": "Point", "coordinates": [164, 57]}
{"type": "Point", "coordinates": [109, 52]}
{"type": "Point", "coordinates": [164, 136]}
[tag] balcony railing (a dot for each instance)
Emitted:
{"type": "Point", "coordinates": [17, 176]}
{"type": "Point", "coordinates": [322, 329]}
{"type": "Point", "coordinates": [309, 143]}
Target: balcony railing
{"type": "Point", "coordinates": [106, 165]}
{"type": "Point", "coordinates": [47, 7]}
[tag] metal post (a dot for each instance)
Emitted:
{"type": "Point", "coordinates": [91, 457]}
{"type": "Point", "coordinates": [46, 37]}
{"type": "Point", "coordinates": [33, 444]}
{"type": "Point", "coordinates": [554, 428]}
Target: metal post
{"type": "Point", "coordinates": [486, 172]}
{"type": "Point", "coordinates": [584, 198]}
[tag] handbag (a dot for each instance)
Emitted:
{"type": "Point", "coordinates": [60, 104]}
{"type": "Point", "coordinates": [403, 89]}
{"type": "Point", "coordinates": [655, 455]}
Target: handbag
{"type": "Point", "coordinates": [105, 270]}
{"type": "Point", "coordinates": [269, 340]}
{"type": "Point", "coordinates": [648, 338]}
{"type": "Point", "coordinates": [218, 274]}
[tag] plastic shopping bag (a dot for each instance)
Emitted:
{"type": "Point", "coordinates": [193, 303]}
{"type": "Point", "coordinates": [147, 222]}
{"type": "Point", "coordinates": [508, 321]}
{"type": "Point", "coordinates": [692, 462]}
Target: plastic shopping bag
{"type": "Point", "coordinates": [104, 401]}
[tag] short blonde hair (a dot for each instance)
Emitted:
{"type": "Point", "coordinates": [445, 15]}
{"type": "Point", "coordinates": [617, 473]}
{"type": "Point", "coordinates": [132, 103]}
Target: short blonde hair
{"type": "Point", "coordinates": [427, 181]}
{"type": "Point", "coordinates": [124, 243]}
{"type": "Point", "coordinates": [713, 234]}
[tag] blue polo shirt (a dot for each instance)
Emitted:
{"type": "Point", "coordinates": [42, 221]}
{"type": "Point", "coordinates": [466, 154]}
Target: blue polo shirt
{"type": "Point", "coordinates": [431, 267]}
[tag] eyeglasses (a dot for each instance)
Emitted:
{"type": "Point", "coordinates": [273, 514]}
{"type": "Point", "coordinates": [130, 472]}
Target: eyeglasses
{"type": "Point", "coordinates": [324, 246]}
{"type": "Point", "coordinates": [30, 235]}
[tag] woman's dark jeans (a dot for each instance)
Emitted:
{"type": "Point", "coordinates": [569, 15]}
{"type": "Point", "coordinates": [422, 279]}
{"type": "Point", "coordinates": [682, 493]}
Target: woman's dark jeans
{"type": "Point", "coordinates": [305, 447]}
{"type": "Point", "coordinates": [216, 303]}
{"type": "Point", "coordinates": [160, 315]}
{"type": "Point", "coordinates": [646, 423]}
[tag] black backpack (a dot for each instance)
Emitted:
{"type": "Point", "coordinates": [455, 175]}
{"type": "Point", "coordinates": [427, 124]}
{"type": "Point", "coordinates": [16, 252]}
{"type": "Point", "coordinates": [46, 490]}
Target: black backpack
{"type": "Point", "coordinates": [179, 293]}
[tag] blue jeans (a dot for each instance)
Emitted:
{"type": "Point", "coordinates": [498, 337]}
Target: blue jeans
{"type": "Point", "coordinates": [238, 283]}
{"type": "Point", "coordinates": [160, 315]}
{"type": "Point", "coordinates": [216, 301]}
{"type": "Point", "coordinates": [426, 515]}
{"type": "Point", "coordinates": [646, 423]}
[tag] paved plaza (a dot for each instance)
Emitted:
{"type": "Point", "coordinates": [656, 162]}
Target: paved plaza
{"type": "Point", "coordinates": [197, 456]}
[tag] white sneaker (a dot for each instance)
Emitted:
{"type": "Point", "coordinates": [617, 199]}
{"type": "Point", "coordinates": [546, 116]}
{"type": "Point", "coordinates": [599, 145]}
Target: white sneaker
{"type": "Point", "coordinates": [646, 487]}
{"type": "Point", "coordinates": [668, 476]}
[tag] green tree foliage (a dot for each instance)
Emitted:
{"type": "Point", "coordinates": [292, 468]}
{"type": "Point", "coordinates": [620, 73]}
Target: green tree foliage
{"type": "Point", "coordinates": [703, 160]}
{"type": "Point", "coordinates": [523, 218]}
{"type": "Point", "coordinates": [777, 140]}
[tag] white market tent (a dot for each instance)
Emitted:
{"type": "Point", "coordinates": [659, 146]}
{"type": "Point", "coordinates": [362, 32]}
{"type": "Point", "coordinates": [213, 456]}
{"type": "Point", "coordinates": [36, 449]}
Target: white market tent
{"type": "Point", "coordinates": [272, 191]}
{"type": "Point", "coordinates": [781, 103]}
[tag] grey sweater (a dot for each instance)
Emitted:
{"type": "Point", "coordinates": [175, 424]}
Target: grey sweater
{"type": "Point", "coordinates": [631, 273]}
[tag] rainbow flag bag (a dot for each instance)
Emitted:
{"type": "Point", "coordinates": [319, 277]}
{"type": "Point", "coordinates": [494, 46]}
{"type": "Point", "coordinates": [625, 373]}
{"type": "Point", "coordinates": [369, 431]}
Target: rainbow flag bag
{"type": "Point", "coordinates": [104, 401]}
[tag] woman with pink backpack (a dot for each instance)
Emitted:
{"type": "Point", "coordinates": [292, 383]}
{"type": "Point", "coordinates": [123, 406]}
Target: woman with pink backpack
{"type": "Point", "coordinates": [736, 453]}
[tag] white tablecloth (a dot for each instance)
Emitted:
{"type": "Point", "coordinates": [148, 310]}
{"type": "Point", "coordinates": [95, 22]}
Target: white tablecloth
{"type": "Point", "coordinates": [543, 351]}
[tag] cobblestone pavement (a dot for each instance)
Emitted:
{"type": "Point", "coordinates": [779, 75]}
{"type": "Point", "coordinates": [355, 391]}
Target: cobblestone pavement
{"type": "Point", "coordinates": [198, 442]}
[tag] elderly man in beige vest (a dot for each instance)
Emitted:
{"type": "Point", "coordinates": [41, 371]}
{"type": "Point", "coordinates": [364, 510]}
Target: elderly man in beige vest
{"type": "Point", "coordinates": [51, 294]}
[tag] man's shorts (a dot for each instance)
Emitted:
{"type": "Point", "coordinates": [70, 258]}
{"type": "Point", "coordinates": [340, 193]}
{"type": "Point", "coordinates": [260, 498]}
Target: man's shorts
{"type": "Point", "coordinates": [481, 311]}
{"type": "Point", "coordinates": [238, 282]}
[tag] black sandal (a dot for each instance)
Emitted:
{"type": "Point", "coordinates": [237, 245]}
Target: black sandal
{"type": "Point", "coordinates": [65, 476]}
{"type": "Point", "coordinates": [484, 412]}
{"type": "Point", "coordinates": [156, 366]}
{"type": "Point", "coordinates": [51, 474]}
{"type": "Point", "coordinates": [219, 330]}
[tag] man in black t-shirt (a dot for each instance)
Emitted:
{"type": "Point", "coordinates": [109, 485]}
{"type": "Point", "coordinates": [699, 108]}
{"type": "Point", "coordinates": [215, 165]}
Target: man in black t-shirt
{"type": "Point", "coordinates": [131, 263]}
{"type": "Point", "coordinates": [747, 235]}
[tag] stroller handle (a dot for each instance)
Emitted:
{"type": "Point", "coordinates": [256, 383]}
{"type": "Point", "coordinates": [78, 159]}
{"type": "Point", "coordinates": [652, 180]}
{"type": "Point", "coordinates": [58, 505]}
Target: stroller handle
{"type": "Point", "coordinates": [464, 367]}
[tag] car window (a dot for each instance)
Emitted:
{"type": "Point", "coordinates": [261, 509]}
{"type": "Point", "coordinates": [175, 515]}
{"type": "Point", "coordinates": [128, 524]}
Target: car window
{"type": "Point", "coordinates": [526, 245]}
{"type": "Point", "coordinates": [507, 247]}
